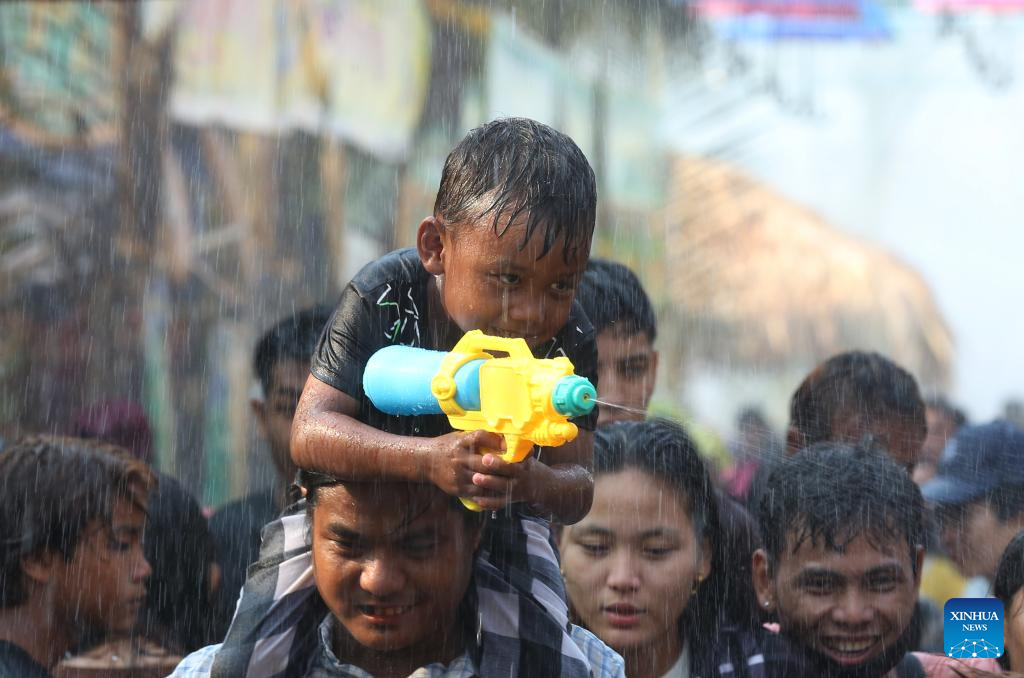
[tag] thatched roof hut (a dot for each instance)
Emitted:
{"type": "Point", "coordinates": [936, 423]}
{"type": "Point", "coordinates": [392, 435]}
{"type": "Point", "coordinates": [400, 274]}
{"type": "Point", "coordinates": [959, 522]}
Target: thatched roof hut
{"type": "Point", "coordinates": [757, 280]}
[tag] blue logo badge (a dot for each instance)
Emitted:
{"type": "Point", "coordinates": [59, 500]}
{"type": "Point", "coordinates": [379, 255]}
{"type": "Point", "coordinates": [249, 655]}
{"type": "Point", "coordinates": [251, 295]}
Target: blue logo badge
{"type": "Point", "coordinates": [973, 628]}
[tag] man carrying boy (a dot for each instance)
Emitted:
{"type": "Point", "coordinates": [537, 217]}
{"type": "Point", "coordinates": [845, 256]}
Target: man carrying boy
{"type": "Point", "coordinates": [393, 564]}
{"type": "Point", "coordinates": [503, 252]}
{"type": "Point", "coordinates": [71, 559]}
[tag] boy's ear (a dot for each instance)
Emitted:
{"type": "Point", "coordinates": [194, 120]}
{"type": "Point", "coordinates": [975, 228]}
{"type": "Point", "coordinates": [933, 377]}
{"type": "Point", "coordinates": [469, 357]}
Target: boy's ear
{"type": "Point", "coordinates": [430, 244]}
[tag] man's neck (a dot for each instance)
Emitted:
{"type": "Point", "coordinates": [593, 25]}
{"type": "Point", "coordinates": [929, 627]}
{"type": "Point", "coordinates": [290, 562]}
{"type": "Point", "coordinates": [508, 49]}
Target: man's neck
{"type": "Point", "coordinates": [35, 630]}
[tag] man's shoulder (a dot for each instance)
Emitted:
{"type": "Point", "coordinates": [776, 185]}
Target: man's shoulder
{"type": "Point", "coordinates": [604, 661]}
{"type": "Point", "coordinates": [398, 267]}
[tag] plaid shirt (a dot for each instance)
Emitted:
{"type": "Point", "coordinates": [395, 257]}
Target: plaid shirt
{"type": "Point", "coordinates": [522, 620]}
{"type": "Point", "coordinates": [604, 663]}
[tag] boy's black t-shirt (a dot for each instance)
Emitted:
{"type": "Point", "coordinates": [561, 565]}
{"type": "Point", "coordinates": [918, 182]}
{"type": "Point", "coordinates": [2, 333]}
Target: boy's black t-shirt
{"type": "Point", "coordinates": [387, 303]}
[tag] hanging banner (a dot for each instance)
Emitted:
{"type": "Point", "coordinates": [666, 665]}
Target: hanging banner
{"type": "Point", "coordinates": [355, 69]}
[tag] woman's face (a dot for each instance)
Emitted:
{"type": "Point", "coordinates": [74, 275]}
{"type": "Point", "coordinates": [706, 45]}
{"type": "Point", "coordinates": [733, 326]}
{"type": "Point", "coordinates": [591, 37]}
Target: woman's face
{"type": "Point", "coordinates": [631, 564]}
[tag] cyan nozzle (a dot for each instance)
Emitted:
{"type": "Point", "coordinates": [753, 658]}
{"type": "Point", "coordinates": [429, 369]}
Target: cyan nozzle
{"type": "Point", "coordinates": [573, 396]}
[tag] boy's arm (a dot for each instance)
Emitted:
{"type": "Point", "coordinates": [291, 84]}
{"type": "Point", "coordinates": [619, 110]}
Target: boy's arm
{"type": "Point", "coordinates": [561, 487]}
{"type": "Point", "coordinates": [327, 437]}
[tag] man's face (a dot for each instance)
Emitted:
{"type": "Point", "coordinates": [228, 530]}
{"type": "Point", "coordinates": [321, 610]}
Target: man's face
{"type": "Point", "coordinates": [103, 586]}
{"type": "Point", "coordinates": [392, 563]}
{"type": "Point", "coordinates": [974, 537]}
{"type": "Point", "coordinates": [632, 562]}
{"type": "Point", "coordinates": [495, 285]}
{"type": "Point", "coordinates": [848, 606]}
{"type": "Point", "coordinates": [901, 441]}
{"type": "Point", "coordinates": [275, 413]}
{"type": "Point", "coordinates": [626, 367]}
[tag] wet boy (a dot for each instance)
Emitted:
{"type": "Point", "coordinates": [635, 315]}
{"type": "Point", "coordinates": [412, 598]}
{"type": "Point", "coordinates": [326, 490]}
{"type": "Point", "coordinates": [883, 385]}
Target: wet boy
{"type": "Point", "coordinates": [71, 559]}
{"type": "Point", "coordinates": [503, 252]}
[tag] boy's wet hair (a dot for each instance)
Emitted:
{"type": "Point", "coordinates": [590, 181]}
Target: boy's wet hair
{"type": "Point", "coordinates": [663, 450]}
{"type": "Point", "coordinates": [293, 338]}
{"type": "Point", "coordinates": [613, 298]}
{"type": "Point", "coordinates": [513, 167]}
{"type": "Point", "coordinates": [831, 493]}
{"type": "Point", "coordinates": [51, 490]}
{"type": "Point", "coordinates": [867, 385]}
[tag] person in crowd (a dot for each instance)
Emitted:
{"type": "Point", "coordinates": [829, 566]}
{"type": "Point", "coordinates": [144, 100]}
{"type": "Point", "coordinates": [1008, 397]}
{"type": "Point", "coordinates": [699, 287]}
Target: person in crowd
{"type": "Point", "coordinates": [185, 576]}
{"type": "Point", "coordinates": [503, 252]}
{"type": "Point", "coordinates": [856, 394]}
{"type": "Point", "coordinates": [843, 528]}
{"type": "Point", "coordinates": [978, 493]}
{"type": "Point", "coordinates": [1009, 588]}
{"type": "Point", "coordinates": [392, 563]}
{"type": "Point", "coordinates": [754, 445]}
{"type": "Point", "coordinates": [944, 420]}
{"type": "Point", "coordinates": [71, 556]}
{"type": "Point", "coordinates": [647, 570]}
{"type": "Point", "coordinates": [281, 364]}
{"type": "Point", "coordinates": [625, 328]}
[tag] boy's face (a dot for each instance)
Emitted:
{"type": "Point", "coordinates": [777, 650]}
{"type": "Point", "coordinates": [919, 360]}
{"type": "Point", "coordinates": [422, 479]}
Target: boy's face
{"type": "Point", "coordinates": [103, 586]}
{"type": "Point", "coordinates": [493, 284]}
{"type": "Point", "coordinates": [626, 367]}
{"type": "Point", "coordinates": [392, 563]}
{"type": "Point", "coordinates": [274, 414]}
{"type": "Point", "coordinates": [850, 606]}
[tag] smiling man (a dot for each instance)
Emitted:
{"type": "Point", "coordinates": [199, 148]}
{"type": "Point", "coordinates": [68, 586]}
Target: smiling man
{"type": "Point", "coordinates": [843, 529]}
{"type": "Point", "coordinates": [393, 563]}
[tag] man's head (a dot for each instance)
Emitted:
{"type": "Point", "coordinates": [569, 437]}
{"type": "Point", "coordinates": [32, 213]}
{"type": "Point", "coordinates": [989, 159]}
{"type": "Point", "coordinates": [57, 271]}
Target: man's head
{"type": "Point", "coordinates": [393, 563]}
{"type": "Point", "coordinates": [511, 229]}
{"type": "Point", "coordinates": [625, 325]}
{"type": "Point", "coordinates": [944, 420]}
{"type": "Point", "coordinates": [71, 535]}
{"type": "Point", "coordinates": [856, 394]}
{"type": "Point", "coordinates": [978, 493]}
{"type": "Point", "coordinates": [843, 528]}
{"type": "Point", "coordinates": [281, 362]}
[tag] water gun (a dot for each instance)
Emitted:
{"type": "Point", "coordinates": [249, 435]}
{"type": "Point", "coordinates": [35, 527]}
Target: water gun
{"type": "Point", "coordinates": [526, 400]}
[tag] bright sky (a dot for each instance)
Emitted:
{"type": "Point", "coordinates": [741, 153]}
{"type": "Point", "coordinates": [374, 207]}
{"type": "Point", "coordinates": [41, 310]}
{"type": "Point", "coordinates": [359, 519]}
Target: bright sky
{"type": "Point", "coordinates": [913, 150]}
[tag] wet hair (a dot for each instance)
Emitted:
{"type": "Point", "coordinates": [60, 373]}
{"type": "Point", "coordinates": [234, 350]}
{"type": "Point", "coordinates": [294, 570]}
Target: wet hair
{"type": "Point", "coordinates": [664, 451]}
{"type": "Point", "coordinates": [832, 493]}
{"type": "Point", "coordinates": [1009, 579]}
{"type": "Point", "coordinates": [314, 482]}
{"type": "Point", "coordinates": [613, 298]}
{"type": "Point", "coordinates": [51, 490]}
{"type": "Point", "coordinates": [948, 410]}
{"type": "Point", "coordinates": [867, 385]}
{"type": "Point", "coordinates": [513, 167]}
{"type": "Point", "coordinates": [293, 338]}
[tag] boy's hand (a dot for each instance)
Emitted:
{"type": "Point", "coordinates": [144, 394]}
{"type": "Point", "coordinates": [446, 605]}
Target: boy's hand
{"type": "Point", "coordinates": [502, 483]}
{"type": "Point", "coordinates": [456, 458]}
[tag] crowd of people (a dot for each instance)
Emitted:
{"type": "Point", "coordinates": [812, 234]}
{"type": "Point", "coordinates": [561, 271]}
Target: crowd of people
{"type": "Point", "coordinates": [827, 552]}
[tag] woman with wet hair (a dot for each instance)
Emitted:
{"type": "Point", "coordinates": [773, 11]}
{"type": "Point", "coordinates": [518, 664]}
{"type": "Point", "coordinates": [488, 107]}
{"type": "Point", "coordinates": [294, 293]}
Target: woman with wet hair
{"type": "Point", "coordinates": [648, 570]}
